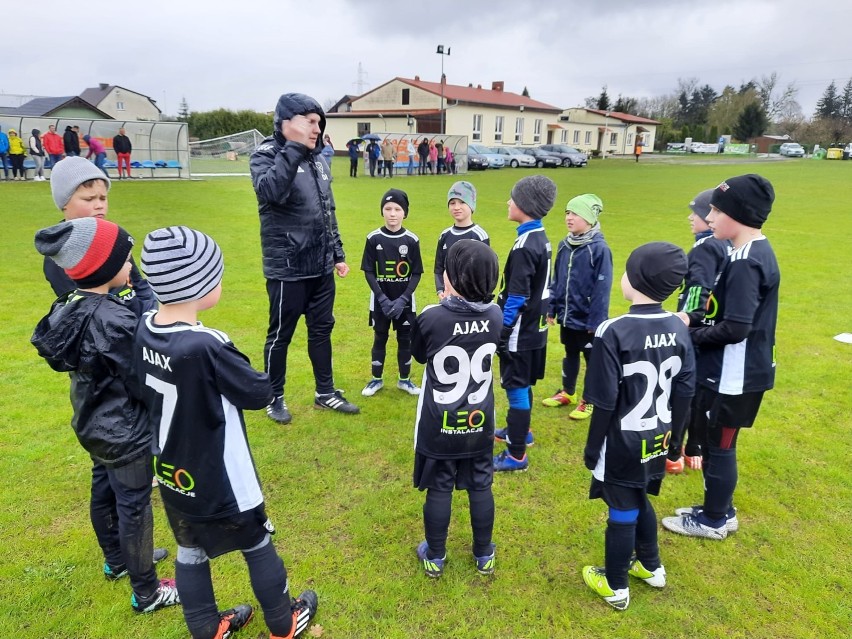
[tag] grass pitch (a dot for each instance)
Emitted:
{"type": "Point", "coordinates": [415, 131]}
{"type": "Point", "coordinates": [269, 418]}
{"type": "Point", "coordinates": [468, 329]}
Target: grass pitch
{"type": "Point", "coordinates": [339, 489]}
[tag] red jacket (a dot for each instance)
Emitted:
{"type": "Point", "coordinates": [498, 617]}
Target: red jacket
{"type": "Point", "coordinates": [53, 143]}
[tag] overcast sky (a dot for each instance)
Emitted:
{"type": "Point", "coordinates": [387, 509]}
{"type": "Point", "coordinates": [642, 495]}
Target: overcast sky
{"type": "Point", "coordinates": [243, 55]}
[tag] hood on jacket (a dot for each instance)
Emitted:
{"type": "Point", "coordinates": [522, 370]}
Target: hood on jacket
{"type": "Point", "coordinates": [68, 129]}
{"type": "Point", "coordinates": [36, 132]}
{"type": "Point", "coordinates": [58, 336]}
{"type": "Point", "coordinates": [292, 104]}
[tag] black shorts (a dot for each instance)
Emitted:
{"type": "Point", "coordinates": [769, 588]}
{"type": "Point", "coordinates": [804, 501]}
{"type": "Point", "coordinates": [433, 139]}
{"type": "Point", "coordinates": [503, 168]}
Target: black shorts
{"type": "Point", "coordinates": [522, 368]}
{"type": "Point", "coordinates": [382, 323]}
{"type": "Point", "coordinates": [623, 497]}
{"type": "Point", "coordinates": [219, 536]}
{"type": "Point", "coordinates": [472, 473]}
{"type": "Point", "coordinates": [728, 411]}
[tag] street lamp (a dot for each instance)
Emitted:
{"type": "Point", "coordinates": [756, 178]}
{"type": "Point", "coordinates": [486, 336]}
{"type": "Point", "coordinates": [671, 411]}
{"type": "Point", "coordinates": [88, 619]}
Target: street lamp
{"type": "Point", "coordinates": [442, 53]}
{"type": "Point", "coordinates": [606, 132]}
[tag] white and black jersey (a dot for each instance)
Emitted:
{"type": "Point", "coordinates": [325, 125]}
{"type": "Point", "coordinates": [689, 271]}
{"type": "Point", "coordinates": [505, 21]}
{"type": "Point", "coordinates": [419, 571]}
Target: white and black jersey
{"type": "Point", "coordinates": [455, 411]}
{"type": "Point", "coordinates": [195, 384]}
{"type": "Point", "coordinates": [639, 362]}
{"type": "Point", "coordinates": [527, 274]}
{"type": "Point", "coordinates": [393, 257]}
{"type": "Point", "coordinates": [746, 292]}
{"type": "Point", "coordinates": [450, 236]}
{"type": "Point", "coordinates": [705, 260]}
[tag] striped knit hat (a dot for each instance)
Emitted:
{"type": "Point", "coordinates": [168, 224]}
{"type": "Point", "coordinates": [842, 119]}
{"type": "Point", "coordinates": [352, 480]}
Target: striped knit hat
{"type": "Point", "coordinates": [181, 264]}
{"type": "Point", "coordinates": [91, 250]}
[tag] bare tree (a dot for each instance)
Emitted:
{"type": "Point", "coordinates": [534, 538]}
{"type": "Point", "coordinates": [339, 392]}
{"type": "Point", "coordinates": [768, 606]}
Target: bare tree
{"type": "Point", "coordinates": [776, 101]}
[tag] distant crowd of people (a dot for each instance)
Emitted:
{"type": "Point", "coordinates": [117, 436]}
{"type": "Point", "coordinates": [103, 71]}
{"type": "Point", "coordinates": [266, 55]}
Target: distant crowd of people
{"type": "Point", "coordinates": [429, 157]}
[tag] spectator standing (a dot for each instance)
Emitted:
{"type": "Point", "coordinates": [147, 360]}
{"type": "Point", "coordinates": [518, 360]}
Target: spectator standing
{"type": "Point", "coordinates": [53, 145]}
{"type": "Point", "coordinates": [17, 153]}
{"type": "Point", "coordinates": [450, 160]}
{"type": "Point", "coordinates": [36, 149]}
{"type": "Point", "coordinates": [411, 150]}
{"type": "Point", "coordinates": [4, 153]}
{"type": "Point", "coordinates": [373, 153]}
{"type": "Point", "coordinates": [96, 148]}
{"type": "Point", "coordinates": [301, 247]}
{"type": "Point", "coordinates": [327, 149]}
{"type": "Point", "coordinates": [423, 153]}
{"type": "Point", "coordinates": [71, 141]}
{"type": "Point", "coordinates": [122, 147]}
{"type": "Point", "coordinates": [433, 158]}
{"type": "Point", "coordinates": [637, 150]}
{"type": "Point", "coordinates": [354, 153]}
{"type": "Point", "coordinates": [388, 157]}
{"type": "Point", "coordinates": [439, 147]}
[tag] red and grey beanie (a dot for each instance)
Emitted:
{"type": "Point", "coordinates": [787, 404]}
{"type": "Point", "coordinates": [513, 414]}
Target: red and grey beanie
{"type": "Point", "coordinates": [746, 198]}
{"type": "Point", "coordinates": [91, 250]}
{"type": "Point", "coordinates": [181, 264]}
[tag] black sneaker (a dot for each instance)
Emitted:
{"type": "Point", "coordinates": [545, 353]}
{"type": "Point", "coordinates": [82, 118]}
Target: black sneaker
{"type": "Point", "coordinates": [304, 608]}
{"type": "Point", "coordinates": [278, 412]}
{"type": "Point", "coordinates": [114, 573]}
{"type": "Point", "coordinates": [336, 401]}
{"type": "Point", "coordinates": [233, 620]}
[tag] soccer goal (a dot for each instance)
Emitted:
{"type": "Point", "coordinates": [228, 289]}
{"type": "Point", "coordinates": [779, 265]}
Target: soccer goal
{"type": "Point", "coordinates": [228, 155]}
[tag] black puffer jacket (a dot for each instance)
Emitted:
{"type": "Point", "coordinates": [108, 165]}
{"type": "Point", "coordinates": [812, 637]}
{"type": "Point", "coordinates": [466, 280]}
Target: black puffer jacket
{"type": "Point", "coordinates": [90, 336]}
{"type": "Point", "coordinates": [298, 226]}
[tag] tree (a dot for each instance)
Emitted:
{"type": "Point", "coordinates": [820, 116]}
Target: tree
{"type": "Point", "coordinates": [727, 108]}
{"type": "Point", "coordinates": [183, 110]}
{"type": "Point", "coordinates": [525, 92]}
{"type": "Point", "coordinates": [776, 103]}
{"type": "Point", "coordinates": [603, 103]}
{"type": "Point", "coordinates": [751, 123]}
{"type": "Point", "coordinates": [829, 105]}
{"type": "Point", "coordinates": [846, 103]}
{"type": "Point", "coordinates": [625, 105]}
{"type": "Point", "coordinates": [214, 124]}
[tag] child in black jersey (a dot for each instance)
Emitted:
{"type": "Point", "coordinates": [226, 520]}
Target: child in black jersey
{"type": "Point", "coordinates": [736, 348]}
{"type": "Point", "coordinates": [89, 335]}
{"type": "Point", "coordinates": [461, 203]}
{"type": "Point", "coordinates": [640, 379]}
{"type": "Point", "coordinates": [393, 267]}
{"type": "Point", "coordinates": [705, 261]}
{"type": "Point", "coordinates": [195, 386]}
{"type": "Point", "coordinates": [524, 294]}
{"type": "Point", "coordinates": [454, 431]}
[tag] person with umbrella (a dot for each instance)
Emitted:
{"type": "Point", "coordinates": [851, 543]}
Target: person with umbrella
{"type": "Point", "coordinates": [354, 154]}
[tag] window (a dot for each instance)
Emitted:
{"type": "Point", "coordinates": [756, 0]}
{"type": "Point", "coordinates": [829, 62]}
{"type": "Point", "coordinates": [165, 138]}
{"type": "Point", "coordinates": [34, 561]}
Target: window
{"type": "Point", "coordinates": [537, 132]}
{"type": "Point", "coordinates": [119, 106]}
{"type": "Point", "coordinates": [613, 139]}
{"type": "Point", "coordinates": [588, 137]}
{"type": "Point", "coordinates": [519, 130]}
{"type": "Point", "coordinates": [498, 128]}
{"type": "Point", "coordinates": [363, 128]}
{"type": "Point", "coordinates": [629, 139]}
{"type": "Point", "coordinates": [477, 127]}
{"type": "Point", "coordinates": [406, 96]}
{"type": "Point", "coordinates": [564, 136]}
{"type": "Point", "coordinates": [577, 136]}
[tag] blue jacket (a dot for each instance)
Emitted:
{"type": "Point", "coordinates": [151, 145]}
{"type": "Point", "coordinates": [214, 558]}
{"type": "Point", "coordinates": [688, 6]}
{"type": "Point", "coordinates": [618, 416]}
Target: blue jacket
{"type": "Point", "coordinates": [582, 280]}
{"type": "Point", "coordinates": [4, 142]}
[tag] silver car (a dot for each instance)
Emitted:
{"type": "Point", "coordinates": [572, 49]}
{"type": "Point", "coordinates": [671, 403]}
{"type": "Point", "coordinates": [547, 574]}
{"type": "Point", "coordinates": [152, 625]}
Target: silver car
{"type": "Point", "coordinates": [495, 160]}
{"type": "Point", "coordinates": [514, 157]}
{"type": "Point", "coordinates": [792, 150]}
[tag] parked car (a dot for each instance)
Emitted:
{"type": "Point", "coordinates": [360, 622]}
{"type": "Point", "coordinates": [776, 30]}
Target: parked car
{"type": "Point", "coordinates": [792, 150]}
{"type": "Point", "coordinates": [475, 161]}
{"type": "Point", "coordinates": [495, 160]}
{"type": "Point", "coordinates": [543, 159]}
{"type": "Point", "coordinates": [569, 155]}
{"type": "Point", "coordinates": [514, 157]}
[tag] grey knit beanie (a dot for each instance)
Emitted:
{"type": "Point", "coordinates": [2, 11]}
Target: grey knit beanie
{"type": "Point", "coordinates": [181, 264]}
{"type": "Point", "coordinates": [70, 173]}
{"type": "Point", "coordinates": [464, 191]}
{"type": "Point", "coordinates": [535, 195]}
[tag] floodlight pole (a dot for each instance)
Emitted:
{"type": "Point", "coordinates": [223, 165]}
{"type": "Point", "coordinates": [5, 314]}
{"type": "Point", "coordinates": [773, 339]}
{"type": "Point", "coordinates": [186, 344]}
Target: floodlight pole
{"type": "Point", "coordinates": [440, 51]}
{"type": "Point", "coordinates": [606, 132]}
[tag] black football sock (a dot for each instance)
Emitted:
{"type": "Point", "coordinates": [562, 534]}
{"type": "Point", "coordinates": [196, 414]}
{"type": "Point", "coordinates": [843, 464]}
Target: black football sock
{"type": "Point", "coordinates": [647, 549]}
{"type": "Point", "coordinates": [436, 521]}
{"type": "Point", "coordinates": [380, 341]}
{"type": "Point", "coordinates": [481, 520]}
{"type": "Point", "coordinates": [197, 599]}
{"type": "Point", "coordinates": [269, 583]}
{"type": "Point", "coordinates": [517, 427]}
{"type": "Point", "coordinates": [570, 372]}
{"type": "Point", "coordinates": [403, 353]}
{"type": "Point", "coordinates": [720, 481]}
{"type": "Point", "coordinates": [620, 541]}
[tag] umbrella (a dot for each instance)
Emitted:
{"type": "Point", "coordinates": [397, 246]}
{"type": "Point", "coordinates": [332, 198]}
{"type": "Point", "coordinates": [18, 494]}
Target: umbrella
{"type": "Point", "coordinates": [355, 141]}
{"type": "Point", "coordinates": [371, 136]}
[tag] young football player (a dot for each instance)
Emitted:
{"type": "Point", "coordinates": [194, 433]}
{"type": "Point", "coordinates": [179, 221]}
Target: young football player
{"type": "Point", "coordinates": [461, 204]}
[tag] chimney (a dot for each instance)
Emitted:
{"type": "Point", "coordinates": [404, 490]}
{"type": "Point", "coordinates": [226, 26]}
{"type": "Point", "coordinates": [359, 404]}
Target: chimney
{"type": "Point", "coordinates": [417, 78]}
{"type": "Point", "coordinates": [497, 85]}
{"type": "Point", "coordinates": [470, 85]}
{"type": "Point", "coordinates": [104, 86]}
{"type": "Point", "coordinates": [478, 86]}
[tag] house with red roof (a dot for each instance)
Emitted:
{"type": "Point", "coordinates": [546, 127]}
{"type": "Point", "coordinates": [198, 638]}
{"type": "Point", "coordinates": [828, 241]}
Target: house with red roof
{"type": "Point", "coordinates": [607, 132]}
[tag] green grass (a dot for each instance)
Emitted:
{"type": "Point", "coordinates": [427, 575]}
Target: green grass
{"type": "Point", "coordinates": [339, 488]}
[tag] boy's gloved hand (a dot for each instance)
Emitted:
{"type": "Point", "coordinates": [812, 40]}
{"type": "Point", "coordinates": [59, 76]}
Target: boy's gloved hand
{"type": "Point", "coordinates": [505, 334]}
{"type": "Point", "coordinates": [398, 306]}
{"type": "Point", "coordinates": [590, 457]}
{"type": "Point", "coordinates": [386, 305]}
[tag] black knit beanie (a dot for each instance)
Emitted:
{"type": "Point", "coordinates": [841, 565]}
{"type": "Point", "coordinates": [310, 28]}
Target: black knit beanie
{"type": "Point", "coordinates": [746, 198]}
{"type": "Point", "coordinates": [472, 269]}
{"type": "Point", "coordinates": [397, 197]}
{"type": "Point", "coordinates": [656, 269]}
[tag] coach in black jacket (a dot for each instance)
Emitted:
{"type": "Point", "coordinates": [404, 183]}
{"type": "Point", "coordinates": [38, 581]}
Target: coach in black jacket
{"type": "Point", "coordinates": [301, 246]}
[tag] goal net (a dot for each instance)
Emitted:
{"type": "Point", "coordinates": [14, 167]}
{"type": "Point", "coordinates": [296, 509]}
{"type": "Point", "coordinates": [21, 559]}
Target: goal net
{"type": "Point", "coordinates": [228, 155]}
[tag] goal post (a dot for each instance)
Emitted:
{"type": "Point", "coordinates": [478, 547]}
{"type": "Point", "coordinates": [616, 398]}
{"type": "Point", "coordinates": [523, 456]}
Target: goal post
{"type": "Point", "coordinates": [226, 155]}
